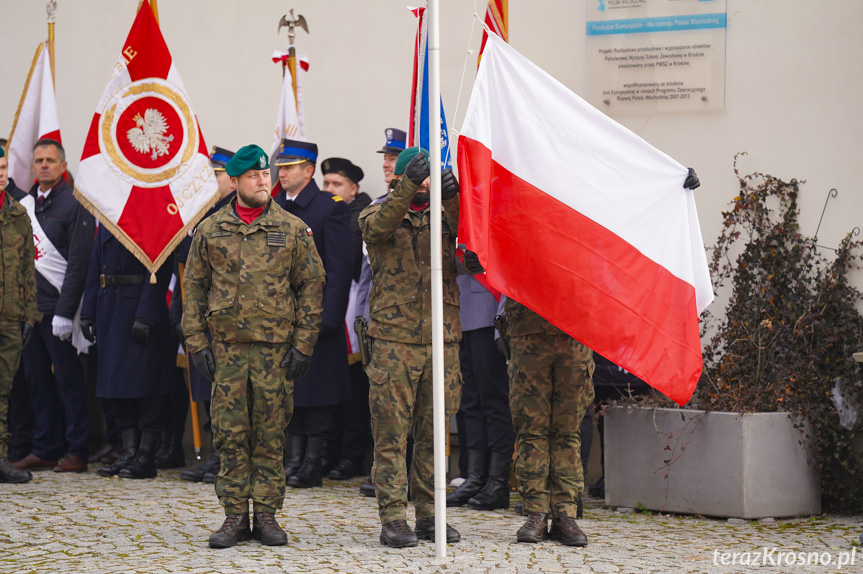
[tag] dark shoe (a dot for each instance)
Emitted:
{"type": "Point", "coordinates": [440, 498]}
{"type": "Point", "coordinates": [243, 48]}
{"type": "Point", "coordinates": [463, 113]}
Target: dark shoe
{"type": "Point", "coordinates": [34, 463]}
{"type": "Point", "coordinates": [534, 529]}
{"type": "Point", "coordinates": [234, 529]}
{"type": "Point", "coordinates": [131, 438]}
{"type": "Point", "coordinates": [398, 534]}
{"type": "Point", "coordinates": [144, 463]}
{"type": "Point", "coordinates": [112, 456]}
{"type": "Point", "coordinates": [368, 488]}
{"type": "Point", "coordinates": [567, 531]}
{"type": "Point", "coordinates": [477, 476]}
{"type": "Point", "coordinates": [425, 531]}
{"type": "Point", "coordinates": [209, 466]}
{"type": "Point", "coordinates": [310, 473]}
{"type": "Point", "coordinates": [298, 453]}
{"type": "Point", "coordinates": [210, 477]}
{"type": "Point", "coordinates": [267, 530]}
{"type": "Point", "coordinates": [344, 470]}
{"type": "Point", "coordinates": [101, 453]}
{"type": "Point", "coordinates": [495, 493]}
{"type": "Point", "coordinates": [597, 490]}
{"type": "Point", "coordinates": [71, 463]}
{"type": "Point", "coordinates": [579, 508]}
{"type": "Point", "coordinates": [11, 474]}
{"type": "Point", "coordinates": [170, 453]}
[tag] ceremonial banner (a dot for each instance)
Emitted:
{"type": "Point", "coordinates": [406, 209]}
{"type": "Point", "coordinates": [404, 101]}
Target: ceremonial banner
{"type": "Point", "coordinates": [290, 120]}
{"type": "Point", "coordinates": [497, 20]}
{"type": "Point", "coordinates": [583, 221]}
{"type": "Point", "coordinates": [418, 131]}
{"type": "Point", "coordinates": [145, 171]}
{"type": "Point", "coordinates": [36, 119]}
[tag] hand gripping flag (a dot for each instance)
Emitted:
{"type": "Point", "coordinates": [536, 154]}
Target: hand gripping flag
{"type": "Point", "coordinates": [582, 221]}
{"type": "Point", "coordinates": [36, 119]}
{"type": "Point", "coordinates": [145, 172]}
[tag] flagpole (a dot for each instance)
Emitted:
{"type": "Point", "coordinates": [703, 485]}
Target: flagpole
{"type": "Point", "coordinates": [52, 10]}
{"type": "Point", "coordinates": [437, 280]}
{"type": "Point", "coordinates": [153, 7]}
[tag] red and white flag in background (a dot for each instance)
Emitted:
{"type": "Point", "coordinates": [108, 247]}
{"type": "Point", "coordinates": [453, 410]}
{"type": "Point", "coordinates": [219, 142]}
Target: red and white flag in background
{"type": "Point", "coordinates": [145, 170]}
{"type": "Point", "coordinates": [497, 20]}
{"type": "Point", "coordinates": [290, 120]}
{"type": "Point", "coordinates": [36, 119]}
{"type": "Point", "coordinates": [584, 222]}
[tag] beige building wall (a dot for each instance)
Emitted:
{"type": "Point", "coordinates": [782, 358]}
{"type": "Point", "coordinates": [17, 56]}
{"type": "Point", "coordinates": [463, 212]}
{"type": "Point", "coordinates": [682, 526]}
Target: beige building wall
{"type": "Point", "coordinates": [794, 77]}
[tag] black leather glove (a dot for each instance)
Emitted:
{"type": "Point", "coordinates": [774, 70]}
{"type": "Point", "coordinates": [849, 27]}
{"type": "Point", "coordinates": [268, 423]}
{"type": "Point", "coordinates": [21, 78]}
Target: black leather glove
{"type": "Point", "coordinates": [691, 180]}
{"type": "Point", "coordinates": [26, 331]}
{"type": "Point", "coordinates": [472, 264]}
{"type": "Point", "coordinates": [417, 169]}
{"type": "Point", "coordinates": [88, 329]}
{"type": "Point", "coordinates": [499, 343]}
{"type": "Point", "coordinates": [297, 363]}
{"type": "Point", "coordinates": [205, 363]}
{"type": "Point", "coordinates": [326, 330]}
{"type": "Point", "coordinates": [448, 184]}
{"type": "Point", "coordinates": [141, 332]}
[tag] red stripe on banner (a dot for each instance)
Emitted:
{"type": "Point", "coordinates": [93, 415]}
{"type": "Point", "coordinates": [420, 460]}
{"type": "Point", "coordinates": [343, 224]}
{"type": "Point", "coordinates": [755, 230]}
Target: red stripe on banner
{"type": "Point", "coordinates": [145, 53]}
{"type": "Point", "coordinates": [147, 221]}
{"type": "Point", "coordinates": [582, 277]}
{"type": "Point", "coordinates": [55, 135]}
{"type": "Point", "coordinates": [91, 145]}
{"type": "Point", "coordinates": [202, 145]}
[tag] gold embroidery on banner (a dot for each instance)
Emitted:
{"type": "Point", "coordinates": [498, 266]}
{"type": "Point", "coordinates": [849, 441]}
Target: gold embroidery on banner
{"type": "Point", "coordinates": [188, 192]}
{"type": "Point", "coordinates": [118, 159]}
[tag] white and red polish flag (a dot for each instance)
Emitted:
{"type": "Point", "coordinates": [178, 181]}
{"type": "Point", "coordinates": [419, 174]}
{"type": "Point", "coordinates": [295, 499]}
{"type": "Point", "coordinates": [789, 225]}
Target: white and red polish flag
{"type": "Point", "coordinates": [36, 119]}
{"type": "Point", "coordinates": [584, 222]}
{"type": "Point", "coordinates": [145, 171]}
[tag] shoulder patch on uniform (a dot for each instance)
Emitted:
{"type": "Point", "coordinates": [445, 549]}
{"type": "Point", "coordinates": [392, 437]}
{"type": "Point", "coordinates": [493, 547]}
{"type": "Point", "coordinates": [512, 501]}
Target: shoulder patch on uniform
{"type": "Point", "coordinates": [308, 231]}
{"type": "Point", "coordinates": [337, 198]}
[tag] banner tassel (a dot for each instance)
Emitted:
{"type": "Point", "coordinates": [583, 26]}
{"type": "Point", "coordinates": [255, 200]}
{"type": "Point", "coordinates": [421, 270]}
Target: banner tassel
{"type": "Point", "coordinates": [152, 278]}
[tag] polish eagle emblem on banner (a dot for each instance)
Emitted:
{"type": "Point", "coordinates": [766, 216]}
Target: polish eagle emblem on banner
{"type": "Point", "coordinates": [145, 172]}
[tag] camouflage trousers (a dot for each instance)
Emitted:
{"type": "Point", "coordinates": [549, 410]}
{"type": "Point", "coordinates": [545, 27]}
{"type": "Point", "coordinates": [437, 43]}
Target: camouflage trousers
{"type": "Point", "coordinates": [10, 357]}
{"type": "Point", "coordinates": [251, 406]}
{"type": "Point", "coordinates": [550, 388]}
{"type": "Point", "coordinates": [400, 401]}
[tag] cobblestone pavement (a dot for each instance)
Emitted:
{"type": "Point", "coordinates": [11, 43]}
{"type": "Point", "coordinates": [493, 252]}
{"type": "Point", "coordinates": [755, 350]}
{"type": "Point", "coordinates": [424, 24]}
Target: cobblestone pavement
{"type": "Point", "coordinates": [84, 523]}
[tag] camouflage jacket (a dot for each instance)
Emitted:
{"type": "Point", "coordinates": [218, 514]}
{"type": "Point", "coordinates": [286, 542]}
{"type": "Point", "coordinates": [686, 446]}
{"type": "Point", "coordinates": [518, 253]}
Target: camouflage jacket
{"type": "Point", "coordinates": [261, 282]}
{"type": "Point", "coordinates": [522, 320]}
{"type": "Point", "coordinates": [17, 267]}
{"type": "Point", "coordinates": [400, 255]}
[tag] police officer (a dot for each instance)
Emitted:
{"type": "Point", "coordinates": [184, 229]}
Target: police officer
{"type": "Point", "coordinates": [200, 386]}
{"type": "Point", "coordinates": [18, 311]}
{"type": "Point", "coordinates": [327, 384]}
{"type": "Point", "coordinates": [396, 231]}
{"type": "Point", "coordinates": [254, 283]}
{"type": "Point", "coordinates": [550, 389]}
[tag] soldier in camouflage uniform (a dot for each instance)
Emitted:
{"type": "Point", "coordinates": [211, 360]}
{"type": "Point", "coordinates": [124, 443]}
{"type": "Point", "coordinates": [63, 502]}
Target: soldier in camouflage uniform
{"type": "Point", "coordinates": [551, 386]}
{"type": "Point", "coordinates": [18, 311]}
{"type": "Point", "coordinates": [254, 281]}
{"type": "Point", "coordinates": [396, 230]}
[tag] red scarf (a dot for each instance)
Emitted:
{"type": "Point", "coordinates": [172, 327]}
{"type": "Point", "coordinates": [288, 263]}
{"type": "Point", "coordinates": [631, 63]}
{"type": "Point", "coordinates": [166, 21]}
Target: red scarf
{"type": "Point", "coordinates": [2, 198]}
{"type": "Point", "coordinates": [249, 214]}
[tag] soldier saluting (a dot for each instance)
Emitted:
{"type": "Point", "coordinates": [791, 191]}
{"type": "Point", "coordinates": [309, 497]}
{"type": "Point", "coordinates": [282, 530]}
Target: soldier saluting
{"type": "Point", "coordinates": [254, 281]}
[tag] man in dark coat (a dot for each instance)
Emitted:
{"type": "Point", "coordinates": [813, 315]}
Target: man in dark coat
{"type": "Point", "coordinates": [129, 317]}
{"type": "Point", "coordinates": [62, 258]}
{"type": "Point", "coordinates": [327, 383]}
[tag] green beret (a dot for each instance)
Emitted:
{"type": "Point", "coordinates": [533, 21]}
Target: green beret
{"type": "Point", "coordinates": [2, 153]}
{"type": "Point", "coordinates": [249, 157]}
{"type": "Point", "coordinates": [405, 157]}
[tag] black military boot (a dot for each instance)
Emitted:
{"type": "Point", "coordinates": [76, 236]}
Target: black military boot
{"type": "Point", "coordinates": [234, 529]}
{"type": "Point", "coordinates": [367, 488]}
{"type": "Point", "coordinates": [298, 453]}
{"type": "Point", "coordinates": [495, 493]}
{"type": "Point", "coordinates": [131, 439]}
{"type": "Point", "coordinates": [10, 474]}
{"type": "Point", "coordinates": [425, 531]}
{"type": "Point", "coordinates": [144, 463]}
{"type": "Point", "coordinates": [267, 530]}
{"type": "Point", "coordinates": [477, 476]}
{"type": "Point", "coordinates": [209, 466]}
{"type": "Point", "coordinates": [170, 453]}
{"type": "Point", "coordinates": [310, 473]}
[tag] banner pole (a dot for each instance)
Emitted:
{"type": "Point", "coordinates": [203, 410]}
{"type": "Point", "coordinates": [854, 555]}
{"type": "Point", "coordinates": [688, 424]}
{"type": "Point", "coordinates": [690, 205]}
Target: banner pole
{"type": "Point", "coordinates": [52, 10]}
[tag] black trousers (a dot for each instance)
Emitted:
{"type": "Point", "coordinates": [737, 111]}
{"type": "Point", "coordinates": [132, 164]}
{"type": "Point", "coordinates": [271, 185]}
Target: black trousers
{"type": "Point", "coordinates": [352, 432]}
{"type": "Point", "coordinates": [312, 421]}
{"type": "Point", "coordinates": [145, 414]}
{"type": "Point", "coordinates": [21, 422]}
{"type": "Point", "coordinates": [485, 393]}
{"type": "Point", "coordinates": [177, 404]}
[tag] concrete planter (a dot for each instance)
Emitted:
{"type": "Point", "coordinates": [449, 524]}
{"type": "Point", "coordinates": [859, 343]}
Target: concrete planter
{"type": "Point", "coordinates": [744, 466]}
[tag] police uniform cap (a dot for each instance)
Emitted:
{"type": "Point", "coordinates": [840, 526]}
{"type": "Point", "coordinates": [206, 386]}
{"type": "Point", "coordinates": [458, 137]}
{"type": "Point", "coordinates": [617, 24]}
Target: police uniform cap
{"type": "Point", "coordinates": [396, 141]}
{"type": "Point", "coordinates": [292, 152]}
{"type": "Point", "coordinates": [405, 157]}
{"type": "Point", "coordinates": [249, 157]}
{"type": "Point", "coordinates": [342, 166]}
{"type": "Point", "coordinates": [220, 157]}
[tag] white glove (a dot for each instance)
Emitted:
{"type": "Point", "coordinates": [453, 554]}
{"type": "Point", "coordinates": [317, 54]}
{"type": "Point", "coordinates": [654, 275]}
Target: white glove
{"type": "Point", "coordinates": [62, 327]}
